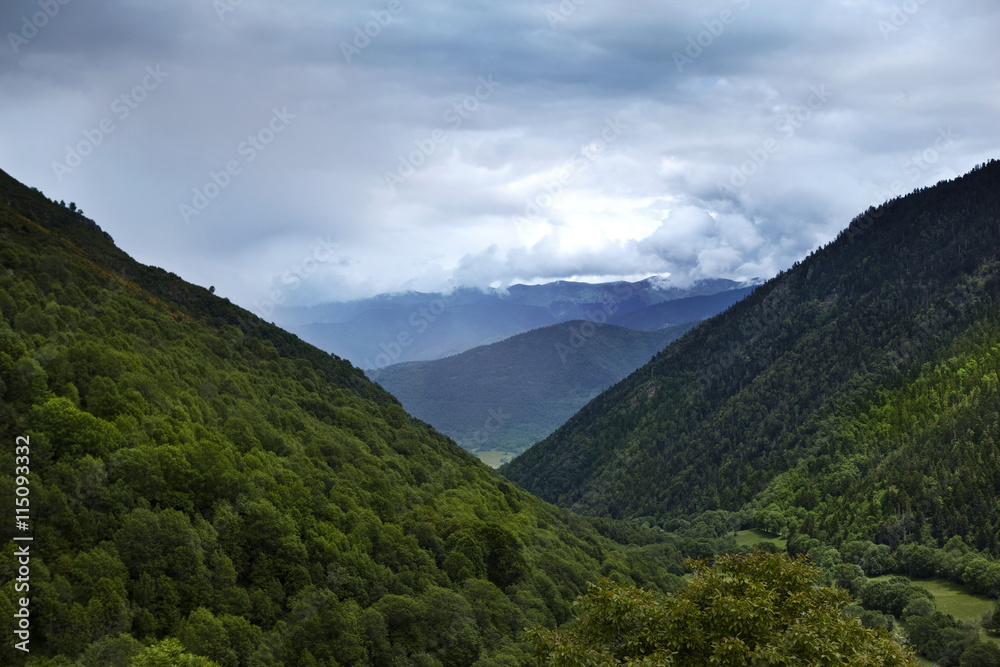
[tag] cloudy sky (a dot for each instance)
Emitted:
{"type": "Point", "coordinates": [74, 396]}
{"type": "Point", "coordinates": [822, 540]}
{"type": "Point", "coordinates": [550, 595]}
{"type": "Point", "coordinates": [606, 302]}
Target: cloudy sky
{"type": "Point", "coordinates": [325, 151]}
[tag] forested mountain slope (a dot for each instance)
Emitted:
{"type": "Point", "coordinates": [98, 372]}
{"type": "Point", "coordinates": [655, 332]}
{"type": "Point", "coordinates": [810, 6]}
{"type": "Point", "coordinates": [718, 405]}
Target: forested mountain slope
{"type": "Point", "coordinates": [678, 311]}
{"type": "Point", "coordinates": [199, 475]}
{"type": "Point", "coordinates": [854, 395]}
{"type": "Point", "coordinates": [511, 394]}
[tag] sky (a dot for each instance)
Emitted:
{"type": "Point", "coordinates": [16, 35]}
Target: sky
{"type": "Point", "coordinates": [300, 151]}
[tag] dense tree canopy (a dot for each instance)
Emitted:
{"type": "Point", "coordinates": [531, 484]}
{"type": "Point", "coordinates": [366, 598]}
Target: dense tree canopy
{"type": "Point", "coordinates": [755, 609]}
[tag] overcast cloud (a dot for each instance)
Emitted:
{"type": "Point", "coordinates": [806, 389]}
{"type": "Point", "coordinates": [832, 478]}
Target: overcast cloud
{"type": "Point", "coordinates": [401, 144]}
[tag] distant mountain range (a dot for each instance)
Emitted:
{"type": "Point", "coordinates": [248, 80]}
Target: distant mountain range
{"type": "Point", "coordinates": [390, 329]}
{"type": "Point", "coordinates": [678, 311]}
{"type": "Point", "coordinates": [504, 397]}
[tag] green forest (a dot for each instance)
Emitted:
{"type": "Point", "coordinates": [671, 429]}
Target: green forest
{"type": "Point", "coordinates": [204, 485]}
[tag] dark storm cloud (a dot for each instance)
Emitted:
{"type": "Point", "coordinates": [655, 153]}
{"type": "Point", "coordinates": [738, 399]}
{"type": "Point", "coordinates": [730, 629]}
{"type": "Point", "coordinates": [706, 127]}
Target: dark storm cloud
{"type": "Point", "coordinates": [406, 144]}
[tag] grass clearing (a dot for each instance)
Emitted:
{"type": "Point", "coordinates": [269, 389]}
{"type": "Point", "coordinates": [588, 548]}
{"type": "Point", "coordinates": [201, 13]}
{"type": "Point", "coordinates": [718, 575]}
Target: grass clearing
{"type": "Point", "coordinates": [954, 599]}
{"type": "Point", "coordinates": [754, 535]}
{"type": "Point", "coordinates": [495, 458]}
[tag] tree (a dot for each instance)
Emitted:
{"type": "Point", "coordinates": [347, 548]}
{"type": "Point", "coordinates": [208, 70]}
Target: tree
{"type": "Point", "coordinates": [878, 560]}
{"type": "Point", "coordinates": [991, 620]}
{"type": "Point", "coordinates": [203, 634]}
{"type": "Point", "coordinates": [890, 595]}
{"type": "Point", "coordinates": [77, 432]}
{"type": "Point", "coordinates": [939, 637]}
{"type": "Point", "coordinates": [745, 609]}
{"type": "Point", "coordinates": [919, 560]}
{"type": "Point", "coordinates": [169, 653]}
{"type": "Point", "coordinates": [918, 606]}
{"type": "Point", "coordinates": [109, 651]}
{"type": "Point", "coordinates": [848, 576]}
{"type": "Point", "coordinates": [451, 627]}
{"type": "Point", "coordinates": [981, 654]}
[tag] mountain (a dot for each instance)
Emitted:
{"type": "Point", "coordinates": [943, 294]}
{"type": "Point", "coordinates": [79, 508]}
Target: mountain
{"type": "Point", "coordinates": [854, 396]}
{"type": "Point", "coordinates": [506, 396]}
{"type": "Point", "coordinates": [389, 329]}
{"type": "Point", "coordinates": [195, 480]}
{"type": "Point", "coordinates": [679, 311]}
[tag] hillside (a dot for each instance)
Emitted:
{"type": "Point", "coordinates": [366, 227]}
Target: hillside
{"type": "Point", "coordinates": [396, 328]}
{"type": "Point", "coordinates": [854, 396]}
{"type": "Point", "coordinates": [678, 311]}
{"type": "Point", "coordinates": [508, 395]}
{"type": "Point", "coordinates": [203, 481]}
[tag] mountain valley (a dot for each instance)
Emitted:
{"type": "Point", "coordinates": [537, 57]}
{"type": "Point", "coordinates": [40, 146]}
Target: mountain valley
{"type": "Point", "coordinates": [206, 486]}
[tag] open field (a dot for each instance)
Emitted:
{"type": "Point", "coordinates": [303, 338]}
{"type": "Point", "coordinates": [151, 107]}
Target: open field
{"type": "Point", "coordinates": [495, 458]}
{"type": "Point", "coordinates": [954, 599]}
{"type": "Point", "coordinates": [753, 536]}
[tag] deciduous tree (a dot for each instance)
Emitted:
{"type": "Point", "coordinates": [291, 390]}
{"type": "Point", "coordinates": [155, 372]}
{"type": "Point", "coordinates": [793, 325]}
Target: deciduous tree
{"type": "Point", "coordinates": [755, 609]}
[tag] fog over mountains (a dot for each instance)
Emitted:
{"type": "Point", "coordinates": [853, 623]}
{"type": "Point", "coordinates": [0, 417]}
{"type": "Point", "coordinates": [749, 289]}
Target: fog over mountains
{"type": "Point", "coordinates": [388, 329]}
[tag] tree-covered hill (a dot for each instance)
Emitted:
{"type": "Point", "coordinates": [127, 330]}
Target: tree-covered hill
{"type": "Point", "coordinates": [854, 396]}
{"type": "Point", "coordinates": [201, 482]}
{"type": "Point", "coordinates": [511, 394]}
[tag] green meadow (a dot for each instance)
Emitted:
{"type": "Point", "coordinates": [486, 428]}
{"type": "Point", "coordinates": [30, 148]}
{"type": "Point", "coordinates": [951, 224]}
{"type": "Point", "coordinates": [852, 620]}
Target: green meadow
{"type": "Point", "coordinates": [952, 598]}
{"type": "Point", "coordinates": [955, 599]}
{"type": "Point", "coordinates": [495, 458]}
{"type": "Point", "coordinates": [753, 536]}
